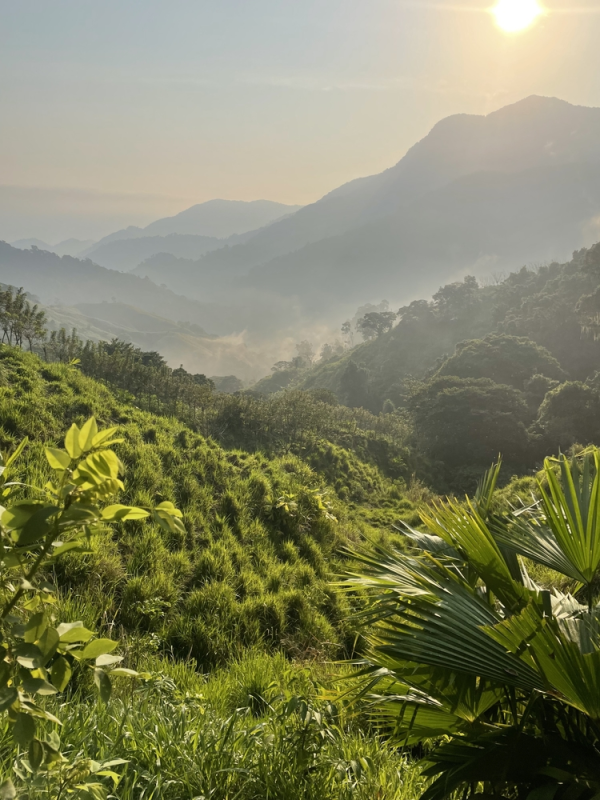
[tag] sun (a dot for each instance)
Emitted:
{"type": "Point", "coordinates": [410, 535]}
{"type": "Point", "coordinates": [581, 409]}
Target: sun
{"type": "Point", "coordinates": [516, 15]}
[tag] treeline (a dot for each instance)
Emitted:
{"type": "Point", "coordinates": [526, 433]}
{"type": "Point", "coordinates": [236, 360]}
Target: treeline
{"type": "Point", "coordinates": [290, 422]}
{"type": "Point", "coordinates": [20, 321]}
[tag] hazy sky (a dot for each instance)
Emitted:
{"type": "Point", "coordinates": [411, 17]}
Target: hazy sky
{"type": "Point", "coordinates": [186, 100]}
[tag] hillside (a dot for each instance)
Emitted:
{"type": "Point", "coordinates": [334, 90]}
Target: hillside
{"type": "Point", "coordinates": [480, 224]}
{"type": "Point", "coordinates": [180, 343]}
{"type": "Point", "coordinates": [512, 361]}
{"type": "Point", "coordinates": [544, 304]}
{"type": "Point", "coordinates": [68, 247]}
{"type": "Point", "coordinates": [478, 195]}
{"type": "Point", "coordinates": [214, 218]}
{"type": "Point", "coordinates": [125, 254]}
{"type": "Point", "coordinates": [231, 617]}
{"type": "Point", "coordinates": [260, 570]}
{"type": "Point", "coordinates": [69, 281]}
{"type": "Point", "coordinates": [539, 150]}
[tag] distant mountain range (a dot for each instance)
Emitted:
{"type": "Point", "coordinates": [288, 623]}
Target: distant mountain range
{"type": "Point", "coordinates": [518, 185]}
{"type": "Point", "coordinates": [189, 234]}
{"type": "Point", "coordinates": [69, 247]}
{"type": "Point", "coordinates": [68, 281]}
{"type": "Point", "coordinates": [218, 218]}
{"type": "Point", "coordinates": [478, 195]}
{"type": "Point", "coordinates": [126, 254]}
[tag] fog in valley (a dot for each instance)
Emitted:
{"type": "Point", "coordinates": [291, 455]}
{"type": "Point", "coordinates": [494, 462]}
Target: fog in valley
{"type": "Point", "coordinates": [230, 287]}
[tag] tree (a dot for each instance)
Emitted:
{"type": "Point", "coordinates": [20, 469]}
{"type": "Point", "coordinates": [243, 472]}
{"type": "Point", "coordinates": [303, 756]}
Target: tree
{"type": "Point", "coordinates": [375, 323]}
{"type": "Point", "coordinates": [329, 351]}
{"type": "Point", "coordinates": [454, 299]}
{"type": "Point", "coordinates": [466, 422]}
{"type": "Point", "coordinates": [306, 352]}
{"type": "Point", "coordinates": [33, 325]}
{"type": "Point", "coordinates": [570, 414]}
{"type": "Point", "coordinates": [354, 386]}
{"type": "Point", "coordinates": [19, 320]}
{"type": "Point", "coordinates": [470, 656]}
{"type": "Point", "coordinates": [511, 360]}
{"type": "Point", "coordinates": [348, 332]}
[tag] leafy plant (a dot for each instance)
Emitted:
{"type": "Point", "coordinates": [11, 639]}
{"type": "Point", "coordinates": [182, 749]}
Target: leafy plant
{"type": "Point", "coordinates": [38, 654]}
{"type": "Point", "coordinates": [499, 675]}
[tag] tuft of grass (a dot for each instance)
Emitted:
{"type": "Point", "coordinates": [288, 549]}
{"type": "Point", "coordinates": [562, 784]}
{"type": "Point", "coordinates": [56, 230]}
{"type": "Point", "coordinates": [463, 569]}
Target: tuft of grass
{"type": "Point", "coordinates": [254, 731]}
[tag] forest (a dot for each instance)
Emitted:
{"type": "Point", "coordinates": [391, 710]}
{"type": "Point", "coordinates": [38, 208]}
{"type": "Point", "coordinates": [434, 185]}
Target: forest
{"type": "Point", "coordinates": [373, 576]}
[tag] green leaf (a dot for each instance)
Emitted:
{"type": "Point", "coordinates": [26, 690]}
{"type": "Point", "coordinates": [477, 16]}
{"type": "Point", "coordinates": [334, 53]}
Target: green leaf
{"type": "Point", "coordinates": [167, 522]}
{"type": "Point", "coordinates": [23, 729]}
{"type": "Point", "coordinates": [35, 627]}
{"type": "Point", "coordinates": [74, 544]}
{"type": "Point", "coordinates": [120, 513]}
{"type": "Point", "coordinates": [72, 442]}
{"type": "Point", "coordinates": [36, 711]}
{"type": "Point", "coordinates": [7, 790]}
{"type": "Point", "coordinates": [71, 632]}
{"type": "Point", "coordinates": [169, 508]}
{"type": "Point", "coordinates": [36, 754]}
{"type": "Point", "coordinates": [61, 673]}
{"type": "Point", "coordinates": [37, 526]}
{"type": "Point", "coordinates": [16, 453]}
{"type": "Point", "coordinates": [98, 647]}
{"type": "Point", "coordinates": [123, 672]}
{"type": "Point", "coordinates": [57, 459]}
{"type": "Point", "coordinates": [103, 683]}
{"type": "Point", "coordinates": [48, 644]}
{"type": "Point", "coordinates": [18, 514]}
{"type": "Point", "coordinates": [52, 742]}
{"type": "Point", "coordinates": [103, 436]}
{"type": "Point", "coordinates": [468, 533]}
{"type": "Point", "coordinates": [7, 697]}
{"type": "Point", "coordinates": [38, 686]}
{"type": "Point", "coordinates": [87, 435]}
{"type": "Point", "coordinates": [29, 656]}
{"type": "Point", "coordinates": [107, 660]}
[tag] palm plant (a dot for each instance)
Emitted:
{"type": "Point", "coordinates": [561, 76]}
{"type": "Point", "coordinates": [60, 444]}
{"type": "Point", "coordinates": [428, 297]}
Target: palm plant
{"type": "Point", "coordinates": [496, 675]}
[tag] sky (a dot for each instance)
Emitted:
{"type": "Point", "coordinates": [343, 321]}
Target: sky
{"type": "Point", "coordinates": [135, 109]}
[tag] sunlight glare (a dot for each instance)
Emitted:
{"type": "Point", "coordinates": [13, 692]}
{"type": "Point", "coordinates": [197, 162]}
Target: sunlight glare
{"type": "Point", "coordinates": [516, 15]}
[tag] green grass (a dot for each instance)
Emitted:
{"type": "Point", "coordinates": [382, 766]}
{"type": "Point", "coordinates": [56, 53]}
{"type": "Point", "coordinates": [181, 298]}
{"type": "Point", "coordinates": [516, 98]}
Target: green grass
{"type": "Point", "coordinates": [236, 618]}
{"type": "Point", "coordinates": [257, 730]}
{"type": "Point", "coordinates": [246, 572]}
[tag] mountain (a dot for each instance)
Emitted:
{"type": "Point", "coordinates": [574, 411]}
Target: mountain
{"type": "Point", "coordinates": [483, 223]}
{"type": "Point", "coordinates": [68, 281]}
{"type": "Point", "coordinates": [27, 244]}
{"type": "Point", "coordinates": [126, 254]}
{"type": "Point", "coordinates": [72, 247]}
{"type": "Point", "coordinates": [218, 218]}
{"type": "Point", "coordinates": [69, 247]}
{"type": "Point", "coordinates": [391, 223]}
{"type": "Point", "coordinates": [479, 195]}
{"type": "Point", "coordinates": [103, 303]}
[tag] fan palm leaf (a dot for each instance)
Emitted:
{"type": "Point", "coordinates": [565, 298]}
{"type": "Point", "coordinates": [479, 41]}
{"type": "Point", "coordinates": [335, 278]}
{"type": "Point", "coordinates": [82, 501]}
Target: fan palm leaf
{"type": "Point", "coordinates": [473, 650]}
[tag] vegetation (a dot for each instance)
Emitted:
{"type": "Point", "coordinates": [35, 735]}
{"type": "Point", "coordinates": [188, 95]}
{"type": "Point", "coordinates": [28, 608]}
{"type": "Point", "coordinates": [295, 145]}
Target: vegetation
{"type": "Point", "coordinates": [224, 617]}
{"type": "Point", "coordinates": [39, 655]}
{"type": "Point", "coordinates": [532, 337]}
{"type": "Point", "coordinates": [244, 582]}
{"type": "Point", "coordinates": [495, 671]}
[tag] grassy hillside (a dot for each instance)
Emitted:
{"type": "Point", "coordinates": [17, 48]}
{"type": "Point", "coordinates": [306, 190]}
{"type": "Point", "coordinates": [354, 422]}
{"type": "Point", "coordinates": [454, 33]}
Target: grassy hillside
{"type": "Point", "coordinates": [245, 595]}
{"type": "Point", "coordinates": [262, 534]}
